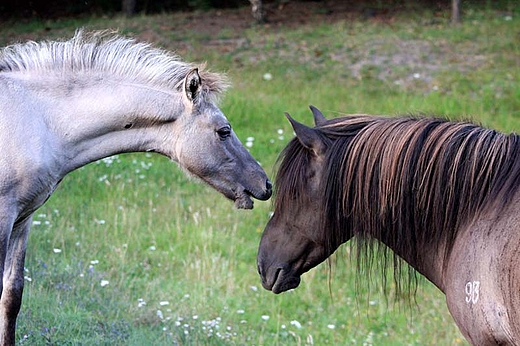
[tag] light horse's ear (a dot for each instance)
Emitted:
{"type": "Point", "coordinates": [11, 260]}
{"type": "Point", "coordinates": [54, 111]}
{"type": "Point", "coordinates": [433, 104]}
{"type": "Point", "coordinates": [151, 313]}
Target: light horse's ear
{"type": "Point", "coordinates": [319, 119]}
{"type": "Point", "coordinates": [192, 84]}
{"type": "Point", "coordinates": [307, 136]}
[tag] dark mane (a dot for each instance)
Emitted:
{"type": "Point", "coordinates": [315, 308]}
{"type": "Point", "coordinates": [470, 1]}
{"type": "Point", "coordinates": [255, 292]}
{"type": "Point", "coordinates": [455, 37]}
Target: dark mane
{"type": "Point", "coordinates": [409, 182]}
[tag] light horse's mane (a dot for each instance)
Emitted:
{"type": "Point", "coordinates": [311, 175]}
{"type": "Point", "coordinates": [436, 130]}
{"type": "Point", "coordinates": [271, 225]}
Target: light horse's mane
{"type": "Point", "coordinates": [108, 54]}
{"type": "Point", "coordinates": [410, 182]}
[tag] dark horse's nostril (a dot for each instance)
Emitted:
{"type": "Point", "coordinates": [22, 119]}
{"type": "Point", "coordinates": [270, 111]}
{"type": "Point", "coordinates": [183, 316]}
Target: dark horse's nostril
{"type": "Point", "coordinates": [268, 185]}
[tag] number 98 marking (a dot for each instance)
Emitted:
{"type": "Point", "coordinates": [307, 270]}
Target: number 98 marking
{"type": "Point", "coordinates": [472, 291]}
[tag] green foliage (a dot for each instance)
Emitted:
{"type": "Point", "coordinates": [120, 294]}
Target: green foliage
{"type": "Point", "coordinates": [129, 251]}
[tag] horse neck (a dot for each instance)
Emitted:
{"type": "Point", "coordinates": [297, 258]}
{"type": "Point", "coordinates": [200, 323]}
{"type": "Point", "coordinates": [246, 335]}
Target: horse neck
{"type": "Point", "coordinates": [431, 265]}
{"type": "Point", "coordinates": [97, 120]}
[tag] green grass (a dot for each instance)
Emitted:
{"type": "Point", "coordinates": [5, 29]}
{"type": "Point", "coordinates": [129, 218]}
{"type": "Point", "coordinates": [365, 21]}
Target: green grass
{"type": "Point", "coordinates": [180, 261]}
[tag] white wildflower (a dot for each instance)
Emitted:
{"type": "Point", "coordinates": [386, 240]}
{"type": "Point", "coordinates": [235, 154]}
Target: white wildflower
{"type": "Point", "coordinates": [296, 324]}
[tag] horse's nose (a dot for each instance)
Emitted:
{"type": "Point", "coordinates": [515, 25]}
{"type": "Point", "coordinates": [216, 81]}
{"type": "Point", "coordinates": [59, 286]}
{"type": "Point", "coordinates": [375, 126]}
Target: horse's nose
{"type": "Point", "coordinates": [269, 185]}
{"type": "Point", "coordinates": [266, 194]}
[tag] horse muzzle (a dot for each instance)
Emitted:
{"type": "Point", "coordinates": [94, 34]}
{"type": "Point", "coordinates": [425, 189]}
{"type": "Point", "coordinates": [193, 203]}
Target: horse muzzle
{"type": "Point", "coordinates": [277, 279]}
{"type": "Point", "coordinates": [243, 198]}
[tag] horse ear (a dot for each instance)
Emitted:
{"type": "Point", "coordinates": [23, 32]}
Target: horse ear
{"type": "Point", "coordinates": [307, 136]}
{"type": "Point", "coordinates": [192, 84]}
{"type": "Point", "coordinates": [319, 119]}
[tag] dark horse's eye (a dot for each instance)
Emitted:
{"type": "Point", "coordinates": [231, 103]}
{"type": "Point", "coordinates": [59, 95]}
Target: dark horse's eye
{"type": "Point", "coordinates": [224, 132]}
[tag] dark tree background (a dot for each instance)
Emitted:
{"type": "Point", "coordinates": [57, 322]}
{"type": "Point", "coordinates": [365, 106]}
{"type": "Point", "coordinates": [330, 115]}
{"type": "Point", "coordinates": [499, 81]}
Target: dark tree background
{"type": "Point", "coordinates": [51, 9]}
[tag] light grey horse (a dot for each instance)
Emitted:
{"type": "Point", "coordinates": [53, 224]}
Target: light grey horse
{"type": "Point", "coordinates": [66, 104]}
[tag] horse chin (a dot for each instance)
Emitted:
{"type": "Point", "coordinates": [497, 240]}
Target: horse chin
{"type": "Point", "coordinates": [244, 201]}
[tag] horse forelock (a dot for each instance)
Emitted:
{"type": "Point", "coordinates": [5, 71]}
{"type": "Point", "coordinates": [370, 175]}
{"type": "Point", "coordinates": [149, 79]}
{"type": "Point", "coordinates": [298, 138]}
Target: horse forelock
{"type": "Point", "coordinates": [290, 178]}
{"type": "Point", "coordinates": [108, 53]}
{"type": "Point", "coordinates": [412, 183]}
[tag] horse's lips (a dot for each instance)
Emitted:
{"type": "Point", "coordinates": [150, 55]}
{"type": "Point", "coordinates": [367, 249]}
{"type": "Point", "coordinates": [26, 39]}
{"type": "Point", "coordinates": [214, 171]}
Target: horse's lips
{"type": "Point", "coordinates": [281, 282]}
{"type": "Point", "coordinates": [244, 199]}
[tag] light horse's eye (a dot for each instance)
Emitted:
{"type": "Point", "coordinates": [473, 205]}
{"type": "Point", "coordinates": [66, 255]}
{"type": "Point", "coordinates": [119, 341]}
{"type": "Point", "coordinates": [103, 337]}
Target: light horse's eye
{"type": "Point", "coordinates": [224, 132]}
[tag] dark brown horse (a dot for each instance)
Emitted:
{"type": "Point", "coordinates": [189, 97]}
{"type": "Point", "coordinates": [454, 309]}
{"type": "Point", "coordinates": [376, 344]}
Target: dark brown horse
{"type": "Point", "coordinates": [443, 196]}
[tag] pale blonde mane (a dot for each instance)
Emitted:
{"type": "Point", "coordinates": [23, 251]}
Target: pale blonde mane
{"type": "Point", "coordinates": [107, 53]}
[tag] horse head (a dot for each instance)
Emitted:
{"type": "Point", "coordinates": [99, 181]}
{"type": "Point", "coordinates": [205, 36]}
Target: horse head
{"type": "Point", "coordinates": [294, 240]}
{"type": "Point", "coordinates": [209, 149]}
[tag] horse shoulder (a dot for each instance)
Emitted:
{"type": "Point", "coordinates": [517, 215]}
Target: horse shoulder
{"type": "Point", "coordinates": [482, 278]}
{"type": "Point", "coordinates": [28, 170]}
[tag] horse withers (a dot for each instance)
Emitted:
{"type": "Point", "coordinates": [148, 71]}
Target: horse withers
{"type": "Point", "coordinates": [66, 104]}
{"type": "Point", "coordinates": [443, 196]}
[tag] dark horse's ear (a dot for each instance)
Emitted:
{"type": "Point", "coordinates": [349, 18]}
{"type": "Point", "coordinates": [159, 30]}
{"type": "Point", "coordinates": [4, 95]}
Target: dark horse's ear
{"type": "Point", "coordinates": [319, 119]}
{"type": "Point", "coordinates": [192, 84]}
{"type": "Point", "coordinates": [307, 136]}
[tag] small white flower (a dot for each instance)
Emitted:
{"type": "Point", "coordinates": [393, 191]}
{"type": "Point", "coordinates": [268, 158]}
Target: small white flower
{"type": "Point", "coordinates": [153, 248]}
{"type": "Point", "coordinates": [249, 144]}
{"type": "Point", "coordinates": [104, 283]}
{"type": "Point", "coordinates": [35, 222]}
{"type": "Point", "coordinates": [94, 262]}
{"type": "Point", "coordinates": [55, 250]}
{"type": "Point", "coordinates": [267, 76]}
{"type": "Point", "coordinates": [265, 317]}
{"type": "Point", "coordinates": [240, 311]}
{"type": "Point", "coordinates": [331, 326]}
{"type": "Point", "coordinates": [163, 303]}
{"type": "Point", "coordinates": [296, 324]}
{"type": "Point", "coordinates": [27, 278]}
{"type": "Point", "coordinates": [160, 314]}
{"type": "Point", "coordinates": [280, 131]}
{"type": "Point", "coordinates": [416, 75]}
{"type": "Point", "coordinates": [254, 288]}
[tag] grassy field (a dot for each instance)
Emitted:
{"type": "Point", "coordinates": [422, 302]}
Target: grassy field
{"type": "Point", "coordinates": [129, 251]}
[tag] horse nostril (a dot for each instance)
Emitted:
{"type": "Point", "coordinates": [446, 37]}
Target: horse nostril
{"type": "Point", "coordinates": [268, 185]}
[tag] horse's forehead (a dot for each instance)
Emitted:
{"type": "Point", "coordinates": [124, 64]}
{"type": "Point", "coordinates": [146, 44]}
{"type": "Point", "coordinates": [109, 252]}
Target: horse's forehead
{"type": "Point", "coordinates": [212, 113]}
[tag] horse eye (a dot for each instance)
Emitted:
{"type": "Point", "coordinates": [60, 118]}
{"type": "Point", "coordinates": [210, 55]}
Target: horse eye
{"type": "Point", "coordinates": [224, 132]}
